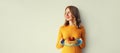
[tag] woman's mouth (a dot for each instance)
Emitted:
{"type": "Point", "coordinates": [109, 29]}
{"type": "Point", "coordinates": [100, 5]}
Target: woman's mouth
{"type": "Point", "coordinates": [67, 16]}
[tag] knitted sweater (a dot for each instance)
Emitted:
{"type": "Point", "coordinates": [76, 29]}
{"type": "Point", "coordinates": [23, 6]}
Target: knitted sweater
{"type": "Point", "coordinates": [71, 31]}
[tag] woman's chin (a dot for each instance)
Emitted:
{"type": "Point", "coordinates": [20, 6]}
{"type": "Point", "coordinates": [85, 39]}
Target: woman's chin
{"type": "Point", "coordinates": [68, 19]}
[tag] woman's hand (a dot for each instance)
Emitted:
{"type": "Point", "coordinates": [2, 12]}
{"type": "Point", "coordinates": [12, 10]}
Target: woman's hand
{"type": "Point", "coordinates": [72, 42]}
{"type": "Point", "coordinates": [62, 41]}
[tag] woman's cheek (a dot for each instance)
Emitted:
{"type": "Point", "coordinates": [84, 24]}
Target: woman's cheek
{"type": "Point", "coordinates": [67, 17]}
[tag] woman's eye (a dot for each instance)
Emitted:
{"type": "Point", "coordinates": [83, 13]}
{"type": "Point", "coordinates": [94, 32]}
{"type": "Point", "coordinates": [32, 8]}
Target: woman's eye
{"type": "Point", "coordinates": [65, 12]}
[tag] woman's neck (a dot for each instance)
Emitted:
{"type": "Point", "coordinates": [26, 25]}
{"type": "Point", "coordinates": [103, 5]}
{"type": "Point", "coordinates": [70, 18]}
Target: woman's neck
{"type": "Point", "coordinates": [71, 23]}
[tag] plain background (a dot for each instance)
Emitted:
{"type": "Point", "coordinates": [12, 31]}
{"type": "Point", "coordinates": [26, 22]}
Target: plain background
{"type": "Point", "coordinates": [31, 26]}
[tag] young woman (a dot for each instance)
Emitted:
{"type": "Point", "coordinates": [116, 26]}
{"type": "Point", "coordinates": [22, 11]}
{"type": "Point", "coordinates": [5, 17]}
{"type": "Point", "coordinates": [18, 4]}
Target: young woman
{"type": "Point", "coordinates": [71, 35]}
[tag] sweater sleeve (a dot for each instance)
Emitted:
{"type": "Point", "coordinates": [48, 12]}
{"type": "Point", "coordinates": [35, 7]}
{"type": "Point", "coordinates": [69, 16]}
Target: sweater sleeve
{"type": "Point", "coordinates": [83, 37]}
{"type": "Point", "coordinates": [58, 44]}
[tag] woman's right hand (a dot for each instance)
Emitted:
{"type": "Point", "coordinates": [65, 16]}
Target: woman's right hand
{"type": "Point", "coordinates": [62, 41]}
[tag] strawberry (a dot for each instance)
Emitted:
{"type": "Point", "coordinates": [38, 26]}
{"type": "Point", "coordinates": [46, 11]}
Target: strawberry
{"type": "Point", "coordinates": [71, 38]}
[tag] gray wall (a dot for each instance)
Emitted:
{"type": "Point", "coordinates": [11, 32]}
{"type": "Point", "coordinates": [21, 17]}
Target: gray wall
{"type": "Point", "coordinates": [31, 26]}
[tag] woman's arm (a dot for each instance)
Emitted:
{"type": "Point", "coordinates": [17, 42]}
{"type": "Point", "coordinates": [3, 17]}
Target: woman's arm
{"type": "Point", "coordinates": [83, 38]}
{"type": "Point", "coordinates": [60, 36]}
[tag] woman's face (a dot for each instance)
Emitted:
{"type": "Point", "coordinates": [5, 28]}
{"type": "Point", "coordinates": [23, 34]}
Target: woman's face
{"type": "Point", "coordinates": [68, 14]}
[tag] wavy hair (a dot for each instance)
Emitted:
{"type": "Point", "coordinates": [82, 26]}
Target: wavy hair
{"type": "Point", "coordinates": [75, 14]}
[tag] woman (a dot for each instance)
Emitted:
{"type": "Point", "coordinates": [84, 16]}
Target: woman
{"type": "Point", "coordinates": [71, 31]}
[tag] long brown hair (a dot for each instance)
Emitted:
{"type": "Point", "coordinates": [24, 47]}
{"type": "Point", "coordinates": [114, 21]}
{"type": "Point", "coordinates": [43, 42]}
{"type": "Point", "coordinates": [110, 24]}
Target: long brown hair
{"type": "Point", "coordinates": [76, 15]}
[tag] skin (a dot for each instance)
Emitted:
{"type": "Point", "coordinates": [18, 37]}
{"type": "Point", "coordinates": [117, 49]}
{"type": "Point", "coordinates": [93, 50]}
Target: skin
{"type": "Point", "coordinates": [68, 16]}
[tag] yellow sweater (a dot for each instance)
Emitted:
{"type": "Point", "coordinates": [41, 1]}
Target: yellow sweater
{"type": "Point", "coordinates": [68, 31]}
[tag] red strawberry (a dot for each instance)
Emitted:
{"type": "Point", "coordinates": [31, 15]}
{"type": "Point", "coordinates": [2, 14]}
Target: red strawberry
{"type": "Point", "coordinates": [71, 38]}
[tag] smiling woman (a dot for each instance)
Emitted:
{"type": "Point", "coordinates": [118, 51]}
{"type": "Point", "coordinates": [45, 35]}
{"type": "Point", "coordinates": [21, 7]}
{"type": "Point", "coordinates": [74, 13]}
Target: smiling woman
{"type": "Point", "coordinates": [71, 36]}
